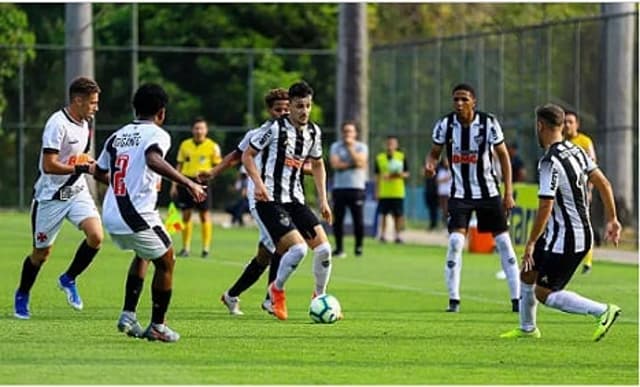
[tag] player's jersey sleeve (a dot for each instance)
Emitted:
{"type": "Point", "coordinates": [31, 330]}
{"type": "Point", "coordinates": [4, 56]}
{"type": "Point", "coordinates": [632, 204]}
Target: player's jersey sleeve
{"type": "Point", "coordinates": [181, 152]}
{"type": "Point", "coordinates": [549, 178]}
{"type": "Point", "coordinates": [589, 164]}
{"type": "Point", "coordinates": [263, 137]}
{"type": "Point", "coordinates": [103, 161]}
{"type": "Point", "coordinates": [316, 149]}
{"type": "Point", "coordinates": [160, 140]}
{"type": "Point", "coordinates": [52, 136]}
{"type": "Point", "coordinates": [440, 132]}
{"type": "Point", "coordinates": [496, 136]}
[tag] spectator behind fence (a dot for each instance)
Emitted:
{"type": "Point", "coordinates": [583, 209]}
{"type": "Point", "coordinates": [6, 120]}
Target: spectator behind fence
{"type": "Point", "coordinates": [348, 158]}
{"type": "Point", "coordinates": [240, 206]}
{"type": "Point", "coordinates": [518, 170]}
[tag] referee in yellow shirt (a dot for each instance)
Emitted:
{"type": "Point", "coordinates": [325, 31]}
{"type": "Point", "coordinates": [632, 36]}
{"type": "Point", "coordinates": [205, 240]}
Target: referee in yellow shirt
{"type": "Point", "coordinates": [196, 154]}
{"type": "Point", "coordinates": [571, 133]}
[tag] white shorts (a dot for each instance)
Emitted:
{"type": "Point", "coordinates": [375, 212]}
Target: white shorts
{"type": "Point", "coordinates": [47, 216]}
{"type": "Point", "coordinates": [148, 244]}
{"type": "Point", "coordinates": [264, 238]}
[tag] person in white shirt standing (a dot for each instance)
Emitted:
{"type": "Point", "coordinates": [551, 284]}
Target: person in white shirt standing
{"type": "Point", "coordinates": [132, 162]}
{"type": "Point", "coordinates": [61, 192]}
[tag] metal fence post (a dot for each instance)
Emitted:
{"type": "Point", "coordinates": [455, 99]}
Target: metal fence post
{"type": "Point", "coordinates": [21, 127]}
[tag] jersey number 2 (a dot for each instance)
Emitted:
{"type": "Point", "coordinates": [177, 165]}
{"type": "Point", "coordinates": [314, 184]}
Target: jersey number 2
{"type": "Point", "coordinates": [119, 187]}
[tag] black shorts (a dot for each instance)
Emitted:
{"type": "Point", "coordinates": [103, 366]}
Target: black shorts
{"type": "Point", "coordinates": [394, 206]}
{"type": "Point", "coordinates": [185, 201]}
{"type": "Point", "coordinates": [491, 216]}
{"type": "Point", "coordinates": [278, 219]}
{"type": "Point", "coordinates": [555, 270]}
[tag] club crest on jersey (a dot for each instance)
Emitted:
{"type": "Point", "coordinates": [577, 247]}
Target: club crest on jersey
{"type": "Point", "coordinates": [478, 139]}
{"type": "Point", "coordinates": [284, 220]}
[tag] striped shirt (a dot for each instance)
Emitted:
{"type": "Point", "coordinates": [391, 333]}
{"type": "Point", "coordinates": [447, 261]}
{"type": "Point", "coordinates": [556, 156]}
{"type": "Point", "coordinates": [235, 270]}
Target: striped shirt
{"type": "Point", "coordinates": [563, 172]}
{"type": "Point", "coordinates": [284, 149]}
{"type": "Point", "coordinates": [469, 150]}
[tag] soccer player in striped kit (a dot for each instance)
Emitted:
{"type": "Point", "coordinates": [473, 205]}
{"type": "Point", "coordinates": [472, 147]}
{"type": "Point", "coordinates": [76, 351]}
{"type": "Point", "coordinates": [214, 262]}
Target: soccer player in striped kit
{"type": "Point", "coordinates": [469, 137]}
{"type": "Point", "coordinates": [561, 234]}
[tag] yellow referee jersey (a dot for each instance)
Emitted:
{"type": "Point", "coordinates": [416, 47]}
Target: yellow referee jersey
{"type": "Point", "coordinates": [583, 141]}
{"type": "Point", "coordinates": [197, 158]}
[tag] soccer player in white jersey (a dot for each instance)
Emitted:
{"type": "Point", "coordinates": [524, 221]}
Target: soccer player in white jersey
{"type": "Point", "coordinates": [561, 234]}
{"type": "Point", "coordinates": [276, 198]}
{"type": "Point", "coordinates": [277, 104]}
{"type": "Point", "coordinates": [132, 162]}
{"type": "Point", "coordinates": [470, 137]}
{"type": "Point", "coordinates": [61, 192]}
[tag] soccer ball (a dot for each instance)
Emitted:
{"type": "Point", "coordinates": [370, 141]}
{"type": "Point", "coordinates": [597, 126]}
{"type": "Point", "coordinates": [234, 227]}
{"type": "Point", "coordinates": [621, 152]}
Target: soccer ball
{"type": "Point", "coordinates": [325, 309]}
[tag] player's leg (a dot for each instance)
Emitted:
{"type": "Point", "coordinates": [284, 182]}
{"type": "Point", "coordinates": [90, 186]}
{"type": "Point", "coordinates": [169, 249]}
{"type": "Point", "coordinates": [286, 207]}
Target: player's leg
{"type": "Point", "coordinates": [185, 204]}
{"type": "Point", "coordinates": [313, 233]}
{"type": "Point", "coordinates": [491, 218]}
{"type": "Point", "coordinates": [161, 289]}
{"type": "Point", "coordinates": [249, 276]}
{"type": "Point", "coordinates": [550, 290]}
{"type": "Point", "coordinates": [275, 222]}
{"type": "Point", "coordinates": [356, 206]}
{"type": "Point", "coordinates": [46, 221]}
{"type": "Point", "coordinates": [206, 229]}
{"type": "Point", "coordinates": [84, 215]}
{"type": "Point", "coordinates": [128, 322]}
{"type": "Point", "coordinates": [385, 210]}
{"type": "Point", "coordinates": [459, 215]}
{"type": "Point", "coordinates": [588, 262]}
{"type": "Point", "coordinates": [293, 249]}
{"type": "Point", "coordinates": [339, 206]}
{"type": "Point", "coordinates": [398, 218]}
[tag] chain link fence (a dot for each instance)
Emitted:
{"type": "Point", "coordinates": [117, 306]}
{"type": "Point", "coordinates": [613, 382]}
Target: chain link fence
{"type": "Point", "coordinates": [512, 72]}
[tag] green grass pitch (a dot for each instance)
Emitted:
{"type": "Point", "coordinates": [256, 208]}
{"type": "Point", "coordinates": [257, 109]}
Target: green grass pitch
{"type": "Point", "coordinates": [395, 330]}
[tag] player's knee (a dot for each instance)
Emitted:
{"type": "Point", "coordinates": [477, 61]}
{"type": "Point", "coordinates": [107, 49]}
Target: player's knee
{"type": "Point", "coordinates": [95, 238]}
{"type": "Point", "coordinates": [456, 242]}
{"type": "Point", "coordinates": [299, 250]}
{"type": "Point", "coordinates": [40, 256]}
{"type": "Point", "coordinates": [323, 251]}
{"type": "Point", "coordinates": [528, 277]}
{"type": "Point", "coordinates": [264, 256]}
{"type": "Point", "coordinates": [542, 294]}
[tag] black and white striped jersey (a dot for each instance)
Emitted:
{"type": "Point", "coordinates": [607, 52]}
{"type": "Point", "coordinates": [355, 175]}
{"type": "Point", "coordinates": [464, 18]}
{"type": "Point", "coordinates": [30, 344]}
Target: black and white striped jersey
{"type": "Point", "coordinates": [469, 150]}
{"type": "Point", "coordinates": [283, 151]}
{"type": "Point", "coordinates": [563, 173]}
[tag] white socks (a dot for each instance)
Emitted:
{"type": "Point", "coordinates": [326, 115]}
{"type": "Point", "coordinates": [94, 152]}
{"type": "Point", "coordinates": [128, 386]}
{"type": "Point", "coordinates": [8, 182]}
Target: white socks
{"type": "Point", "coordinates": [571, 302]}
{"type": "Point", "coordinates": [509, 263]}
{"type": "Point", "coordinates": [322, 266]}
{"type": "Point", "coordinates": [289, 262]}
{"type": "Point", "coordinates": [453, 265]}
{"type": "Point", "coordinates": [528, 307]}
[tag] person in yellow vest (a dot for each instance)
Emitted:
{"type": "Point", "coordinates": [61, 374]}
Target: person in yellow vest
{"type": "Point", "coordinates": [391, 171]}
{"type": "Point", "coordinates": [196, 154]}
{"type": "Point", "coordinates": [572, 133]}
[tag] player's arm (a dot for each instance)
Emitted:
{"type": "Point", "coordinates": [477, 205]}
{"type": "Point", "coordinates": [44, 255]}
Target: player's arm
{"type": "Point", "coordinates": [231, 159]}
{"type": "Point", "coordinates": [260, 191]}
{"type": "Point", "coordinates": [101, 176]}
{"type": "Point", "coordinates": [602, 184]}
{"type": "Point", "coordinates": [320, 180]}
{"type": "Point", "coordinates": [51, 165]}
{"type": "Point", "coordinates": [505, 166]}
{"type": "Point", "coordinates": [159, 165]}
{"type": "Point", "coordinates": [431, 160]}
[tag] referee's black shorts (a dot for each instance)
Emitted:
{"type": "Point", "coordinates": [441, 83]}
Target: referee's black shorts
{"type": "Point", "coordinates": [185, 201]}
{"type": "Point", "coordinates": [489, 212]}
{"type": "Point", "coordinates": [555, 270]}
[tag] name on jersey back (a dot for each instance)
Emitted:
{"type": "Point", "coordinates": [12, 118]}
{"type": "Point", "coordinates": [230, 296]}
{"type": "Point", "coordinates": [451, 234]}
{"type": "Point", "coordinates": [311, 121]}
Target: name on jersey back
{"type": "Point", "coordinates": [127, 140]}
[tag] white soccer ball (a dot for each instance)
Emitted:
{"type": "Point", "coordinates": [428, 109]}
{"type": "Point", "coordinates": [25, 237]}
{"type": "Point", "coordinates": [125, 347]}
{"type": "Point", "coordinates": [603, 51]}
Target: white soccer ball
{"type": "Point", "coordinates": [325, 309]}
